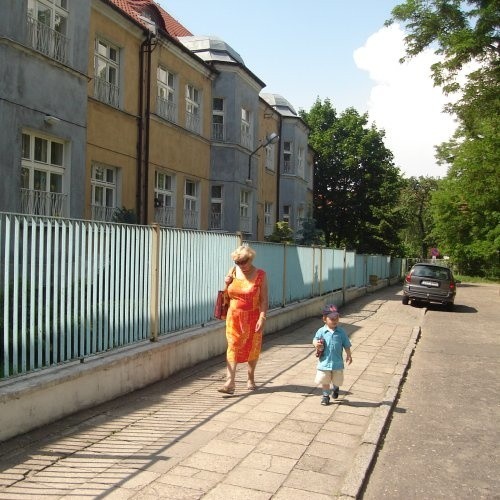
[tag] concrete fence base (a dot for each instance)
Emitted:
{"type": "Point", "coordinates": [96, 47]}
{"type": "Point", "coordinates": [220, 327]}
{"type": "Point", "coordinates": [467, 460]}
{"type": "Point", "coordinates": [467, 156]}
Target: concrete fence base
{"type": "Point", "coordinates": [37, 399]}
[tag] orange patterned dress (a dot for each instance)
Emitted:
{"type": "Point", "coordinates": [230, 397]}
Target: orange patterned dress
{"type": "Point", "coordinates": [243, 342]}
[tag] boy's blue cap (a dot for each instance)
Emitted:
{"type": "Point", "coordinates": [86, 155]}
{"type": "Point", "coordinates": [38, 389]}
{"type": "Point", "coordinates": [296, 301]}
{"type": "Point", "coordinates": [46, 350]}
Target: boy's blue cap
{"type": "Point", "coordinates": [331, 311]}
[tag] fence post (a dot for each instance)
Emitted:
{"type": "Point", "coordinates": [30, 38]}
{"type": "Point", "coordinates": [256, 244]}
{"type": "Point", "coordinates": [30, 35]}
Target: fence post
{"type": "Point", "coordinates": [343, 276]}
{"type": "Point", "coordinates": [283, 301]}
{"type": "Point", "coordinates": [155, 253]}
{"type": "Point", "coordinates": [239, 236]}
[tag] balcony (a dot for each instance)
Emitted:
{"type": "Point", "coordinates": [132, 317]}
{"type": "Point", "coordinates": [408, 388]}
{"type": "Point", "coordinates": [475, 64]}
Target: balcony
{"type": "Point", "coordinates": [46, 40]}
{"type": "Point", "coordinates": [193, 122]}
{"type": "Point", "coordinates": [245, 224]}
{"type": "Point", "coordinates": [191, 218]}
{"type": "Point", "coordinates": [166, 109]}
{"type": "Point", "coordinates": [289, 167]}
{"type": "Point", "coordinates": [246, 139]}
{"type": "Point", "coordinates": [35, 202]}
{"type": "Point", "coordinates": [218, 132]}
{"type": "Point", "coordinates": [106, 92]}
{"type": "Point", "coordinates": [216, 221]}
{"type": "Point", "coordinates": [165, 216]}
{"type": "Point", "coordinates": [102, 214]}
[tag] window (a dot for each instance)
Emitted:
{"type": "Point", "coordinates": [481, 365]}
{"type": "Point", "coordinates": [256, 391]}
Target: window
{"type": "Point", "coordinates": [193, 109]}
{"type": "Point", "coordinates": [246, 129]}
{"type": "Point", "coordinates": [47, 28]}
{"type": "Point", "coordinates": [218, 119]}
{"type": "Point", "coordinates": [287, 157]}
{"type": "Point", "coordinates": [245, 212]}
{"type": "Point", "coordinates": [191, 205]}
{"type": "Point", "coordinates": [43, 172]}
{"type": "Point", "coordinates": [268, 218]}
{"type": "Point", "coordinates": [106, 73]}
{"type": "Point", "coordinates": [164, 199]}
{"type": "Point", "coordinates": [104, 192]}
{"type": "Point", "coordinates": [216, 207]}
{"type": "Point", "coordinates": [165, 102]}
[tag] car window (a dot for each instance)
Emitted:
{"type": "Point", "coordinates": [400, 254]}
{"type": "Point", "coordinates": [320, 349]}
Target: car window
{"type": "Point", "coordinates": [431, 272]}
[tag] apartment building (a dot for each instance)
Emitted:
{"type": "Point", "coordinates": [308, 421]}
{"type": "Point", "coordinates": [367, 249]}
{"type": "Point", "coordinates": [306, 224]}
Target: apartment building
{"type": "Point", "coordinates": [112, 110]}
{"type": "Point", "coordinates": [296, 165]}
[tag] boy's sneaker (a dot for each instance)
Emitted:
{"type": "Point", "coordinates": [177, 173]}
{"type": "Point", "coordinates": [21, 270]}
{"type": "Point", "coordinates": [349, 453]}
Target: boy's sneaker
{"type": "Point", "coordinates": [325, 400]}
{"type": "Point", "coordinates": [336, 393]}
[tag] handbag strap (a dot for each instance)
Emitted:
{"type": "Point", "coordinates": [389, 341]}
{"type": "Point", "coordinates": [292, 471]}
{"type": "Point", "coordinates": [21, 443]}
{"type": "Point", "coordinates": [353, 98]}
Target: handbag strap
{"type": "Point", "coordinates": [233, 275]}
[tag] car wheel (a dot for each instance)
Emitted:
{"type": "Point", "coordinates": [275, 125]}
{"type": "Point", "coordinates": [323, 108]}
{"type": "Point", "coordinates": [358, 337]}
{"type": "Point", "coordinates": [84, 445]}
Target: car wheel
{"type": "Point", "coordinates": [405, 299]}
{"type": "Point", "coordinates": [449, 306]}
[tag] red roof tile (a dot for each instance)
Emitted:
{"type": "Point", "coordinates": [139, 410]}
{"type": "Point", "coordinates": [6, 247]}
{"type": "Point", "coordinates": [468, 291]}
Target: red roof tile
{"type": "Point", "coordinates": [133, 8]}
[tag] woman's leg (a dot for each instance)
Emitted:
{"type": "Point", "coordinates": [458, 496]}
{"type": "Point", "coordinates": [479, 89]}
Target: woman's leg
{"type": "Point", "coordinates": [230, 374]}
{"type": "Point", "coordinates": [251, 374]}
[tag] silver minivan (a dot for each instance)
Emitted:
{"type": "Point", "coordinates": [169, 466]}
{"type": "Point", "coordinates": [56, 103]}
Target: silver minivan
{"type": "Point", "coordinates": [430, 283]}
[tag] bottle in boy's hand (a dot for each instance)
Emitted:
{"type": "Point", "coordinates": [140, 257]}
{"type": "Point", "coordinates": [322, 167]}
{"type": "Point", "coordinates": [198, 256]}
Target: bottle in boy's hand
{"type": "Point", "coordinates": [320, 346]}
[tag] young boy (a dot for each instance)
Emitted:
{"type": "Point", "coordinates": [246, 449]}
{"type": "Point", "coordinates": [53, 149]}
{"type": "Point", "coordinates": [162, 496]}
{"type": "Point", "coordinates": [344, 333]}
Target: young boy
{"type": "Point", "coordinates": [329, 342]}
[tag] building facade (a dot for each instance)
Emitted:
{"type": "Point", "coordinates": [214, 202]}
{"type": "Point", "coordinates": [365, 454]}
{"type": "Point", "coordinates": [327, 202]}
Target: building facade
{"type": "Point", "coordinates": [111, 110]}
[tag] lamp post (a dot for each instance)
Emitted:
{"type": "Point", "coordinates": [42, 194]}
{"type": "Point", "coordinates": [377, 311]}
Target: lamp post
{"type": "Point", "coordinates": [272, 138]}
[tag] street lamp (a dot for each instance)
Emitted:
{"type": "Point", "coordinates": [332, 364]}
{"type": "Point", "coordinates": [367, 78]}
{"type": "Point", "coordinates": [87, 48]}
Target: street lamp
{"type": "Point", "coordinates": [272, 138]}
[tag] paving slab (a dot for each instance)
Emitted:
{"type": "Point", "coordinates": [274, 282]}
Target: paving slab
{"type": "Point", "coordinates": [180, 438]}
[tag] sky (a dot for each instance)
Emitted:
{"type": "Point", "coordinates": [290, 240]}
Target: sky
{"type": "Point", "coordinates": [337, 50]}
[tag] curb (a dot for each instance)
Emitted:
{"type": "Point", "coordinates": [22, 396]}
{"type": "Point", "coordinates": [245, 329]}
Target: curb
{"type": "Point", "coordinates": [356, 477]}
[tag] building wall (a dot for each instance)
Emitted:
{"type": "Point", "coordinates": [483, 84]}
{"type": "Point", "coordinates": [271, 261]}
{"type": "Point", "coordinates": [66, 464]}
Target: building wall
{"type": "Point", "coordinates": [113, 131]}
{"type": "Point", "coordinates": [34, 85]}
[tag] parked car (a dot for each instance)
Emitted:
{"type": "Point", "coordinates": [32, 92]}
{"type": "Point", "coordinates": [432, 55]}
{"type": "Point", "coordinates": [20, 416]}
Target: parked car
{"type": "Point", "coordinates": [430, 283]}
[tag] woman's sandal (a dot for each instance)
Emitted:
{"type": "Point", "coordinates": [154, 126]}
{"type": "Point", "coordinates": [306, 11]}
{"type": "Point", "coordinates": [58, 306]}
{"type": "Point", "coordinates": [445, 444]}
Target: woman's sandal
{"type": "Point", "coordinates": [226, 390]}
{"type": "Point", "coordinates": [251, 386]}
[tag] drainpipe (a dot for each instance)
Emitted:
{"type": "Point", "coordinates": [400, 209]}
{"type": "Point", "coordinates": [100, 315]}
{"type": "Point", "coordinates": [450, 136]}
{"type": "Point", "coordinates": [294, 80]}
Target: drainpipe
{"type": "Point", "coordinates": [143, 135]}
{"type": "Point", "coordinates": [278, 171]}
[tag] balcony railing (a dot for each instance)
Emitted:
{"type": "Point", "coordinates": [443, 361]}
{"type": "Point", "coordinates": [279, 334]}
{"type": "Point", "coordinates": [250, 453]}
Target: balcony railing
{"type": "Point", "coordinates": [218, 132]}
{"type": "Point", "coordinates": [102, 214]}
{"type": "Point", "coordinates": [288, 167]}
{"type": "Point", "coordinates": [106, 92]}
{"type": "Point", "coordinates": [246, 139]}
{"type": "Point", "coordinates": [193, 122]}
{"type": "Point", "coordinates": [191, 218]}
{"type": "Point", "coordinates": [245, 224]}
{"type": "Point", "coordinates": [46, 40]}
{"type": "Point", "coordinates": [216, 221]}
{"type": "Point", "coordinates": [165, 216]}
{"type": "Point", "coordinates": [35, 202]}
{"type": "Point", "coordinates": [166, 109]}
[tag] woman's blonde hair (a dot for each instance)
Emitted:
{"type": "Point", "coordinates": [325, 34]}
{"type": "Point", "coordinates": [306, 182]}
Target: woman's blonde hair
{"type": "Point", "coordinates": [243, 252]}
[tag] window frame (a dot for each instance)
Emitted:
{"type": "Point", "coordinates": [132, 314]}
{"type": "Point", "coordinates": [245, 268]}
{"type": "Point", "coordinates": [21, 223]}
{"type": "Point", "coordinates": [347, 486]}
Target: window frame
{"type": "Point", "coordinates": [52, 199]}
{"type": "Point", "coordinates": [193, 108]}
{"type": "Point", "coordinates": [166, 107]}
{"type": "Point", "coordinates": [106, 90]}
{"type": "Point", "coordinates": [104, 212]}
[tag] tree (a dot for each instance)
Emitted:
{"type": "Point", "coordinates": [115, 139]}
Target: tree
{"type": "Point", "coordinates": [356, 185]}
{"type": "Point", "coordinates": [466, 206]}
{"type": "Point", "coordinates": [414, 203]}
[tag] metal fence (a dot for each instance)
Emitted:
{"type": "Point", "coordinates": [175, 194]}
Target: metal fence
{"type": "Point", "coordinates": [70, 289]}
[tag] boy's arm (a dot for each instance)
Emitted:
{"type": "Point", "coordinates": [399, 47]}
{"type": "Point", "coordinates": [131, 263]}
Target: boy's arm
{"type": "Point", "coordinates": [348, 356]}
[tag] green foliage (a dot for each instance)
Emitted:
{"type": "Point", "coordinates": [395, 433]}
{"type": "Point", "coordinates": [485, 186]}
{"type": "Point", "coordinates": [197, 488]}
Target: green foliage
{"type": "Point", "coordinates": [310, 234]}
{"type": "Point", "coordinates": [282, 233]}
{"type": "Point", "coordinates": [125, 215]}
{"type": "Point", "coordinates": [356, 185]}
{"type": "Point", "coordinates": [414, 208]}
{"type": "Point", "coordinates": [465, 208]}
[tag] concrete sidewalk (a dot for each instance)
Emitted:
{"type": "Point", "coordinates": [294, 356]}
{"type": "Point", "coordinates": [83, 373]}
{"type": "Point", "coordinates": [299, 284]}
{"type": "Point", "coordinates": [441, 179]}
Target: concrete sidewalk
{"type": "Point", "coordinates": [180, 438]}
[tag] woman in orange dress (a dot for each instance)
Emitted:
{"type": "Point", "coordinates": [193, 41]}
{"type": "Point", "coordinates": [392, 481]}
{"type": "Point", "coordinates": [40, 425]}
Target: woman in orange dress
{"type": "Point", "coordinates": [248, 293]}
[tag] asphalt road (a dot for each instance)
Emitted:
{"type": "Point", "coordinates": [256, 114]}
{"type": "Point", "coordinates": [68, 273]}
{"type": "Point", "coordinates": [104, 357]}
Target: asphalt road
{"type": "Point", "coordinates": [444, 436]}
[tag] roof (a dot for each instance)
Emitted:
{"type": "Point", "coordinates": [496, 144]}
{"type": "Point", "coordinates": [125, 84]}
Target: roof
{"type": "Point", "coordinates": [280, 104]}
{"type": "Point", "coordinates": [137, 9]}
{"type": "Point", "coordinates": [211, 48]}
